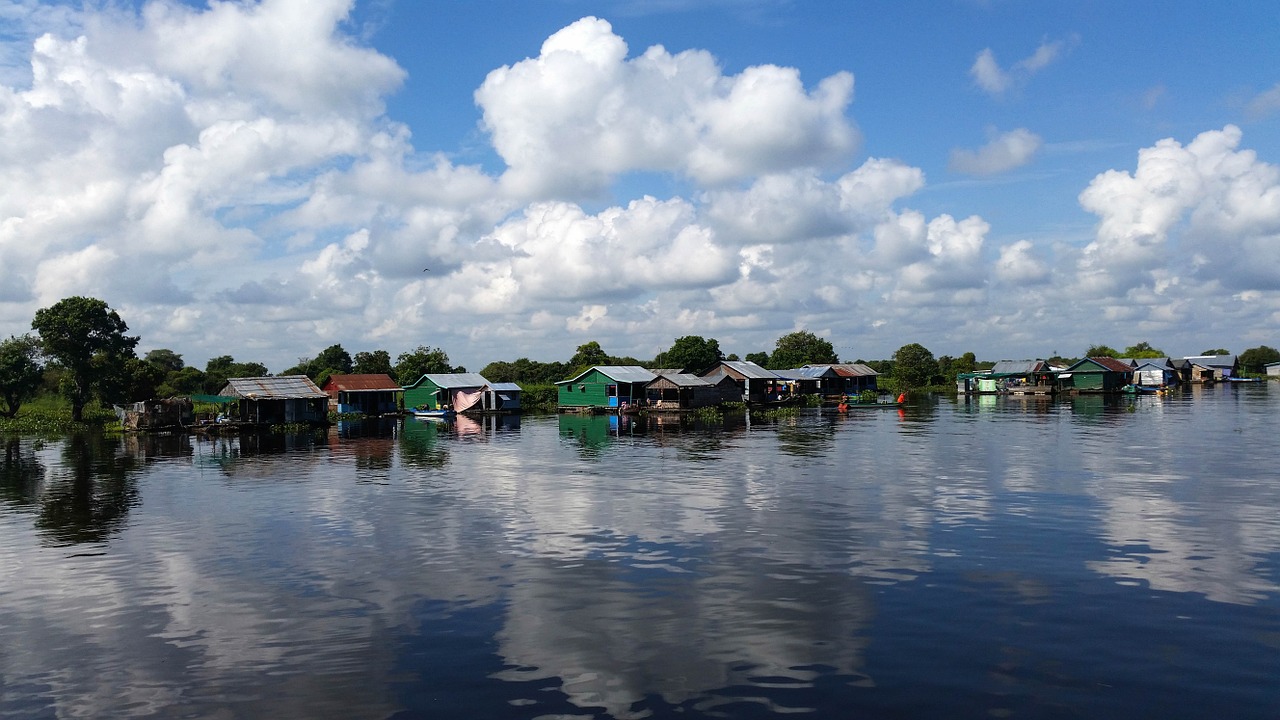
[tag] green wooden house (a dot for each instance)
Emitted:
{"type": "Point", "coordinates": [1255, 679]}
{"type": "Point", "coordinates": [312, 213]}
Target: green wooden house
{"type": "Point", "coordinates": [609, 387]}
{"type": "Point", "coordinates": [458, 391]}
{"type": "Point", "coordinates": [1096, 375]}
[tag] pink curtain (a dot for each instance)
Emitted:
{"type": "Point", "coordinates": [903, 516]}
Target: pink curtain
{"type": "Point", "coordinates": [464, 400]}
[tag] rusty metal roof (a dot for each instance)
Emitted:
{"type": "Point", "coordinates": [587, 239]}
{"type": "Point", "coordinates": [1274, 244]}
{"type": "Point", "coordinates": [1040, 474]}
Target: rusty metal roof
{"type": "Point", "coordinates": [283, 387]}
{"type": "Point", "coordinates": [357, 383]}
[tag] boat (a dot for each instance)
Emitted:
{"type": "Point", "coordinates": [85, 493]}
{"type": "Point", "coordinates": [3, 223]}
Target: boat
{"type": "Point", "coordinates": [855, 402]}
{"type": "Point", "coordinates": [431, 413]}
{"type": "Point", "coordinates": [1144, 389]}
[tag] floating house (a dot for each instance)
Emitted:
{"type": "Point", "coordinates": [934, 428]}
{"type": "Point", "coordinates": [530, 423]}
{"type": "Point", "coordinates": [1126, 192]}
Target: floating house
{"type": "Point", "coordinates": [367, 394]}
{"type": "Point", "coordinates": [276, 400]}
{"type": "Point", "coordinates": [1273, 369]}
{"type": "Point", "coordinates": [684, 391]}
{"type": "Point", "coordinates": [1096, 375]}
{"type": "Point", "coordinates": [855, 377]}
{"type": "Point", "coordinates": [1212, 368]}
{"type": "Point", "coordinates": [1024, 377]}
{"type": "Point", "coordinates": [503, 397]}
{"type": "Point", "coordinates": [812, 380]}
{"type": "Point", "coordinates": [459, 392]}
{"type": "Point", "coordinates": [755, 384]}
{"type": "Point", "coordinates": [160, 414]}
{"type": "Point", "coordinates": [1154, 373]}
{"type": "Point", "coordinates": [606, 387]}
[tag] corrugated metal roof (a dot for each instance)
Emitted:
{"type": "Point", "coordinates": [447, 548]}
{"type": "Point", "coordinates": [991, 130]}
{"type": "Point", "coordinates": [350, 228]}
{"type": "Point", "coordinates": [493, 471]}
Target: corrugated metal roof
{"type": "Point", "coordinates": [356, 383]}
{"type": "Point", "coordinates": [746, 368]}
{"type": "Point", "coordinates": [283, 387]}
{"type": "Point", "coordinates": [1019, 367]}
{"type": "Point", "coordinates": [617, 373]}
{"type": "Point", "coordinates": [1212, 360]}
{"type": "Point", "coordinates": [452, 381]}
{"type": "Point", "coordinates": [811, 372]}
{"type": "Point", "coordinates": [849, 369]}
{"type": "Point", "coordinates": [1107, 363]}
{"type": "Point", "coordinates": [684, 379]}
{"type": "Point", "coordinates": [505, 387]}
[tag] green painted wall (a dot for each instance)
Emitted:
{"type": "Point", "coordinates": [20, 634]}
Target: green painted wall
{"type": "Point", "coordinates": [423, 394]}
{"type": "Point", "coordinates": [590, 390]}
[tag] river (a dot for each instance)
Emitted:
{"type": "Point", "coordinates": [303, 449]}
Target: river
{"type": "Point", "coordinates": [990, 557]}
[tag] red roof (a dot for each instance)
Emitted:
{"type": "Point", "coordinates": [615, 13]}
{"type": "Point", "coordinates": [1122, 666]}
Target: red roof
{"type": "Point", "coordinates": [350, 383]}
{"type": "Point", "coordinates": [1113, 364]}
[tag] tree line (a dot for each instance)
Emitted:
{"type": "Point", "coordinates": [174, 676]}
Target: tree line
{"type": "Point", "coordinates": [82, 351]}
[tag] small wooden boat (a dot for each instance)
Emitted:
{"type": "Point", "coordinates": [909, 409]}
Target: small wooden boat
{"type": "Point", "coordinates": [431, 413]}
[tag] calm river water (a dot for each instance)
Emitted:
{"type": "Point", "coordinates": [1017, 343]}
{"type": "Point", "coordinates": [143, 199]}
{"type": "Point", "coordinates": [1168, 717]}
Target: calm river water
{"type": "Point", "coordinates": [989, 558]}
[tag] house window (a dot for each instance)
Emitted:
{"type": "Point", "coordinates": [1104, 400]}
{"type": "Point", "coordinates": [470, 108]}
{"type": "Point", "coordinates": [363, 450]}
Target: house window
{"type": "Point", "coordinates": [613, 391]}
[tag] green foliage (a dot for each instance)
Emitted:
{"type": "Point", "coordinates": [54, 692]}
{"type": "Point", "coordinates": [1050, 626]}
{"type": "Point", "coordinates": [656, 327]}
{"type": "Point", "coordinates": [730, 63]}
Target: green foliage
{"type": "Point", "coordinates": [1143, 350]}
{"type": "Point", "coordinates": [692, 353]}
{"type": "Point", "coordinates": [377, 362]}
{"type": "Point", "coordinates": [1218, 351]}
{"type": "Point", "coordinates": [141, 380]}
{"type": "Point", "coordinates": [1101, 351]}
{"type": "Point", "coordinates": [1255, 360]}
{"type": "Point", "coordinates": [588, 355]}
{"type": "Point", "coordinates": [709, 414]}
{"type": "Point", "coordinates": [526, 372]}
{"type": "Point", "coordinates": [412, 365]}
{"type": "Point", "coordinates": [536, 398]}
{"type": "Point", "coordinates": [50, 416]}
{"type": "Point", "coordinates": [759, 358]}
{"type": "Point", "coordinates": [801, 348]}
{"type": "Point", "coordinates": [20, 373]}
{"type": "Point", "coordinates": [334, 359]}
{"type": "Point", "coordinates": [87, 338]}
{"type": "Point", "coordinates": [914, 366]}
{"type": "Point", "coordinates": [165, 359]}
{"type": "Point", "coordinates": [218, 370]}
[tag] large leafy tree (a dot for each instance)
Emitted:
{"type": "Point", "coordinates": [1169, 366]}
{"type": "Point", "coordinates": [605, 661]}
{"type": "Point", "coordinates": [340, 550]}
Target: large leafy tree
{"type": "Point", "coordinates": [165, 359]}
{"type": "Point", "coordinates": [1101, 351]}
{"type": "Point", "coordinates": [86, 338]}
{"type": "Point", "coordinates": [760, 358]}
{"type": "Point", "coordinates": [588, 355]}
{"type": "Point", "coordinates": [1143, 350]}
{"type": "Point", "coordinates": [219, 369]}
{"type": "Point", "coordinates": [1215, 351]}
{"type": "Point", "coordinates": [20, 373]}
{"type": "Point", "coordinates": [1256, 360]}
{"type": "Point", "coordinates": [914, 366]}
{"type": "Point", "coordinates": [377, 362]}
{"type": "Point", "coordinates": [801, 348]}
{"type": "Point", "coordinates": [421, 361]}
{"type": "Point", "coordinates": [692, 353]}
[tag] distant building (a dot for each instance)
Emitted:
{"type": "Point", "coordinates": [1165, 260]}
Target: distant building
{"type": "Point", "coordinates": [757, 384]}
{"type": "Point", "coordinates": [275, 400]}
{"type": "Point", "coordinates": [1096, 375]}
{"type": "Point", "coordinates": [374, 394]}
{"type": "Point", "coordinates": [609, 387]}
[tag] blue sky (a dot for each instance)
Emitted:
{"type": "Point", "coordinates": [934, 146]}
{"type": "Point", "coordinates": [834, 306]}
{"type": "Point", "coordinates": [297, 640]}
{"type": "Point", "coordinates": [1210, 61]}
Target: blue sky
{"type": "Point", "coordinates": [264, 179]}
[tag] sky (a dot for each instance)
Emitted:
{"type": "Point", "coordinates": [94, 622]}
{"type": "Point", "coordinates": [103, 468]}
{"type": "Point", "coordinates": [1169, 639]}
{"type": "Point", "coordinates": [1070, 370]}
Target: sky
{"type": "Point", "coordinates": [507, 179]}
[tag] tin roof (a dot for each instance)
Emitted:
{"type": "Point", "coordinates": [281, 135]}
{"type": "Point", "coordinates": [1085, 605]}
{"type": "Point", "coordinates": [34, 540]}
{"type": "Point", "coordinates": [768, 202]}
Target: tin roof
{"type": "Point", "coordinates": [684, 379]}
{"type": "Point", "coordinates": [358, 383]}
{"type": "Point", "coordinates": [1212, 360]}
{"type": "Point", "coordinates": [452, 381]}
{"type": "Point", "coordinates": [850, 369]}
{"type": "Point", "coordinates": [1019, 367]}
{"type": "Point", "coordinates": [282, 387]}
{"type": "Point", "coordinates": [1107, 363]}
{"type": "Point", "coordinates": [748, 369]}
{"type": "Point", "coordinates": [618, 373]}
{"type": "Point", "coordinates": [809, 372]}
{"type": "Point", "coordinates": [505, 387]}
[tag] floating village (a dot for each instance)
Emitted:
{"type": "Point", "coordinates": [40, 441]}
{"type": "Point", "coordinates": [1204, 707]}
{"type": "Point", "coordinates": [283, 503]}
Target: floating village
{"type": "Point", "coordinates": [273, 401]}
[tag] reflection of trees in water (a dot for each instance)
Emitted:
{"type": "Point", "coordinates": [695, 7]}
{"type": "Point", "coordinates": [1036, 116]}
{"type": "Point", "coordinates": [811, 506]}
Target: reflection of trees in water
{"type": "Point", "coordinates": [420, 445]}
{"type": "Point", "coordinates": [20, 473]}
{"type": "Point", "coordinates": [86, 500]}
{"type": "Point", "coordinates": [805, 438]}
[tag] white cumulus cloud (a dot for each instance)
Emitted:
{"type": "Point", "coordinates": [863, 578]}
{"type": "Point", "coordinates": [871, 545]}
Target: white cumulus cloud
{"type": "Point", "coordinates": [1004, 152]}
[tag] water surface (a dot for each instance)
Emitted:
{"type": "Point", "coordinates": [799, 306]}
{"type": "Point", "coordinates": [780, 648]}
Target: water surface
{"type": "Point", "coordinates": [993, 557]}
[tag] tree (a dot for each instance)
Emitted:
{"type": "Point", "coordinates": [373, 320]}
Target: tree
{"type": "Point", "coordinates": [759, 358]}
{"type": "Point", "coordinates": [913, 366]}
{"type": "Point", "coordinates": [165, 359]}
{"type": "Point", "coordinates": [334, 359]}
{"type": "Point", "coordinates": [1219, 351]}
{"type": "Point", "coordinates": [967, 362]}
{"type": "Point", "coordinates": [1143, 350]}
{"type": "Point", "coordinates": [219, 369]}
{"type": "Point", "coordinates": [140, 380]}
{"type": "Point", "coordinates": [691, 353]}
{"type": "Point", "coordinates": [801, 348]}
{"type": "Point", "coordinates": [1101, 351]}
{"type": "Point", "coordinates": [588, 355]}
{"type": "Point", "coordinates": [20, 373]}
{"type": "Point", "coordinates": [412, 365]}
{"type": "Point", "coordinates": [87, 338]}
{"type": "Point", "coordinates": [1256, 360]}
{"type": "Point", "coordinates": [377, 362]}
